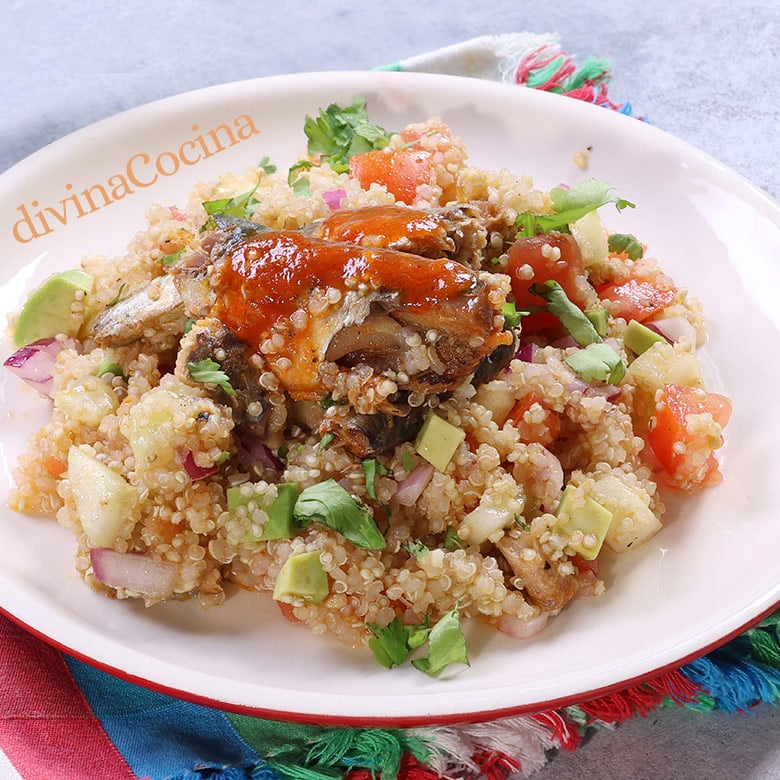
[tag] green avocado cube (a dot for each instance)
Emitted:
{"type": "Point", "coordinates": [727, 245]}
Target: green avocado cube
{"type": "Point", "coordinates": [639, 338]}
{"type": "Point", "coordinates": [302, 576]}
{"type": "Point", "coordinates": [438, 440]}
{"type": "Point", "coordinates": [591, 519]}
{"type": "Point", "coordinates": [47, 312]}
{"type": "Point", "coordinates": [599, 318]}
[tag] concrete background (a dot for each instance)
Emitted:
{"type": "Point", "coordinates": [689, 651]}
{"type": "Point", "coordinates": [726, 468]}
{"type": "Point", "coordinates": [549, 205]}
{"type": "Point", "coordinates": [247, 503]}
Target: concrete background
{"type": "Point", "coordinates": [705, 71]}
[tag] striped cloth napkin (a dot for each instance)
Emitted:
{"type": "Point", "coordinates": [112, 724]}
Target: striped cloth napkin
{"type": "Point", "coordinates": [61, 719]}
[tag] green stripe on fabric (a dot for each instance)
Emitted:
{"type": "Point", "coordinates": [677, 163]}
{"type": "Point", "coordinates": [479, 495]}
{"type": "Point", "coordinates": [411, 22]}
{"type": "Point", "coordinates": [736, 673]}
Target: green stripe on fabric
{"type": "Point", "coordinates": [303, 752]}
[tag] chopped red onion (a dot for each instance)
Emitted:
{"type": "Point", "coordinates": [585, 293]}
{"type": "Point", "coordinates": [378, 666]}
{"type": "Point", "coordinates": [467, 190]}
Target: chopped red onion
{"type": "Point", "coordinates": [35, 364]}
{"type": "Point", "coordinates": [527, 352]}
{"type": "Point", "coordinates": [134, 572]}
{"type": "Point", "coordinates": [412, 487]}
{"type": "Point", "coordinates": [565, 343]}
{"type": "Point", "coordinates": [194, 471]}
{"type": "Point", "coordinates": [674, 329]}
{"type": "Point", "coordinates": [610, 392]}
{"type": "Point", "coordinates": [517, 628]}
{"type": "Point", "coordinates": [252, 451]}
{"type": "Point", "coordinates": [334, 198]}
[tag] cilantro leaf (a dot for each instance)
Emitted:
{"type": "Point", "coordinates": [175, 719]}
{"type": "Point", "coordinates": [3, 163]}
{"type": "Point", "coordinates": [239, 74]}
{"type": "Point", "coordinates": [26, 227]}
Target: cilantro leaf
{"type": "Point", "coordinates": [569, 205]}
{"type": "Point", "coordinates": [597, 362]}
{"type": "Point", "coordinates": [209, 371]}
{"type": "Point", "coordinates": [325, 441]}
{"type": "Point", "coordinates": [451, 540]}
{"type": "Point", "coordinates": [571, 316]}
{"type": "Point", "coordinates": [328, 503]}
{"type": "Point", "coordinates": [417, 549]}
{"type": "Point", "coordinates": [266, 166]}
{"type": "Point", "coordinates": [339, 132]}
{"type": "Point", "coordinates": [625, 242]}
{"type": "Point", "coordinates": [446, 645]}
{"type": "Point", "coordinates": [392, 644]}
{"type": "Point", "coordinates": [242, 206]}
{"type": "Point", "coordinates": [371, 467]}
{"type": "Point", "coordinates": [511, 315]}
{"type": "Point", "coordinates": [170, 259]}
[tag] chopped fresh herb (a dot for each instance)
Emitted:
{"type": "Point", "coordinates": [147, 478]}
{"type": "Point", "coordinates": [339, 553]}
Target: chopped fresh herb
{"type": "Point", "coordinates": [407, 461]}
{"type": "Point", "coordinates": [265, 165]}
{"type": "Point", "coordinates": [282, 451]}
{"type": "Point", "coordinates": [569, 205]}
{"type": "Point", "coordinates": [118, 297]}
{"type": "Point", "coordinates": [371, 468]}
{"type": "Point", "coordinates": [188, 324]}
{"type": "Point", "coordinates": [511, 315]}
{"type": "Point", "coordinates": [172, 258]}
{"type": "Point", "coordinates": [325, 441]}
{"type": "Point", "coordinates": [621, 243]}
{"type": "Point", "coordinates": [446, 645]}
{"type": "Point", "coordinates": [328, 503]}
{"type": "Point", "coordinates": [209, 372]}
{"type": "Point", "coordinates": [597, 362]}
{"type": "Point", "coordinates": [451, 540]}
{"type": "Point", "coordinates": [224, 457]}
{"type": "Point", "coordinates": [339, 132]}
{"type": "Point", "coordinates": [571, 316]}
{"type": "Point", "coordinates": [392, 644]}
{"type": "Point", "coordinates": [417, 549]}
{"type": "Point", "coordinates": [242, 206]}
{"type": "Point", "coordinates": [109, 367]}
{"type": "Point", "coordinates": [328, 401]}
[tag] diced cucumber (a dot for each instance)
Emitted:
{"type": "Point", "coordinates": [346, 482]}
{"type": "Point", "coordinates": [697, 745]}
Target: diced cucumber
{"type": "Point", "coordinates": [87, 401]}
{"type": "Point", "coordinates": [438, 440]}
{"type": "Point", "coordinates": [302, 576]}
{"type": "Point", "coordinates": [590, 518]}
{"type": "Point", "coordinates": [104, 500]}
{"type": "Point", "coordinates": [633, 522]}
{"type": "Point", "coordinates": [485, 523]}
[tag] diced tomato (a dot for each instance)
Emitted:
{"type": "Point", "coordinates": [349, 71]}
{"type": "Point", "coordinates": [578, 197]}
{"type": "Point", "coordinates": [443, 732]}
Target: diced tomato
{"type": "Point", "coordinates": [402, 171]}
{"type": "Point", "coordinates": [55, 466]}
{"type": "Point", "coordinates": [583, 565]}
{"type": "Point", "coordinates": [567, 269]}
{"type": "Point", "coordinates": [683, 443]}
{"type": "Point", "coordinates": [638, 298]}
{"type": "Point", "coordinates": [545, 432]}
{"type": "Point", "coordinates": [288, 611]}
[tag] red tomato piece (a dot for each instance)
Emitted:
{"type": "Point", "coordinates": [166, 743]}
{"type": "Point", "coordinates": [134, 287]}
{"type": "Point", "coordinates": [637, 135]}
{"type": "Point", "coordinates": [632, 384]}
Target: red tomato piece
{"type": "Point", "coordinates": [402, 171]}
{"type": "Point", "coordinates": [684, 432]}
{"type": "Point", "coordinates": [546, 431]}
{"type": "Point", "coordinates": [564, 266]}
{"type": "Point", "coordinates": [638, 298]}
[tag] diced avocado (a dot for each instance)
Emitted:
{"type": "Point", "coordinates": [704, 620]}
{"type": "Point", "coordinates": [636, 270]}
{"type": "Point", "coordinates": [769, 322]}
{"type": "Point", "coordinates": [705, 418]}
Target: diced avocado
{"type": "Point", "coordinates": [47, 312]}
{"type": "Point", "coordinates": [302, 577]}
{"type": "Point", "coordinates": [639, 338]}
{"type": "Point", "coordinates": [105, 501]}
{"type": "Point", "coordinates": [599, 318]}
{"type": "Point", "coordinates": [591, 519]}
{"type": "Point", "coordinates": [438, 440]}
{"type": "Point", "coordinates": [280, 523]}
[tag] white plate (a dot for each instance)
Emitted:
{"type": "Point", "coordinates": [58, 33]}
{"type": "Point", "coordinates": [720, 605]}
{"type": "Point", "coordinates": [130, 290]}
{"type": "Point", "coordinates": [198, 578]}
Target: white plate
{"type": "Point", "coordinates": [712, 571]}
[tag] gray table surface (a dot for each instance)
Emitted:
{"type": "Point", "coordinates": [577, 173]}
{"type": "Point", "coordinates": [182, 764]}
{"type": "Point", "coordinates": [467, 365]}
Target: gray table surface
{"type": "Point", "coordinates": [707, 72]}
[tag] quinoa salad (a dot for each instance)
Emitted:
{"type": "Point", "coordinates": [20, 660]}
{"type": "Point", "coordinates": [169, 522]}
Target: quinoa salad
{"type": "Point", "coordinates": [386, 388]}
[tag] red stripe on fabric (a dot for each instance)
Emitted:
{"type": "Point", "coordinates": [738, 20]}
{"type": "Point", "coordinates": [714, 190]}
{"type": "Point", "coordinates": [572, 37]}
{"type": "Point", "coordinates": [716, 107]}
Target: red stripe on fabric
{"type": "Point", "coordinates": [47, 729]}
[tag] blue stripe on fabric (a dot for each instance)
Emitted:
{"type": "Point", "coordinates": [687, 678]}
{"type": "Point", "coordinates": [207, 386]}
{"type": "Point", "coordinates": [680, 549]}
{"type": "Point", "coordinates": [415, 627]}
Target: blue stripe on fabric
{"type": "Point", "coordinates": [159, 735]}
